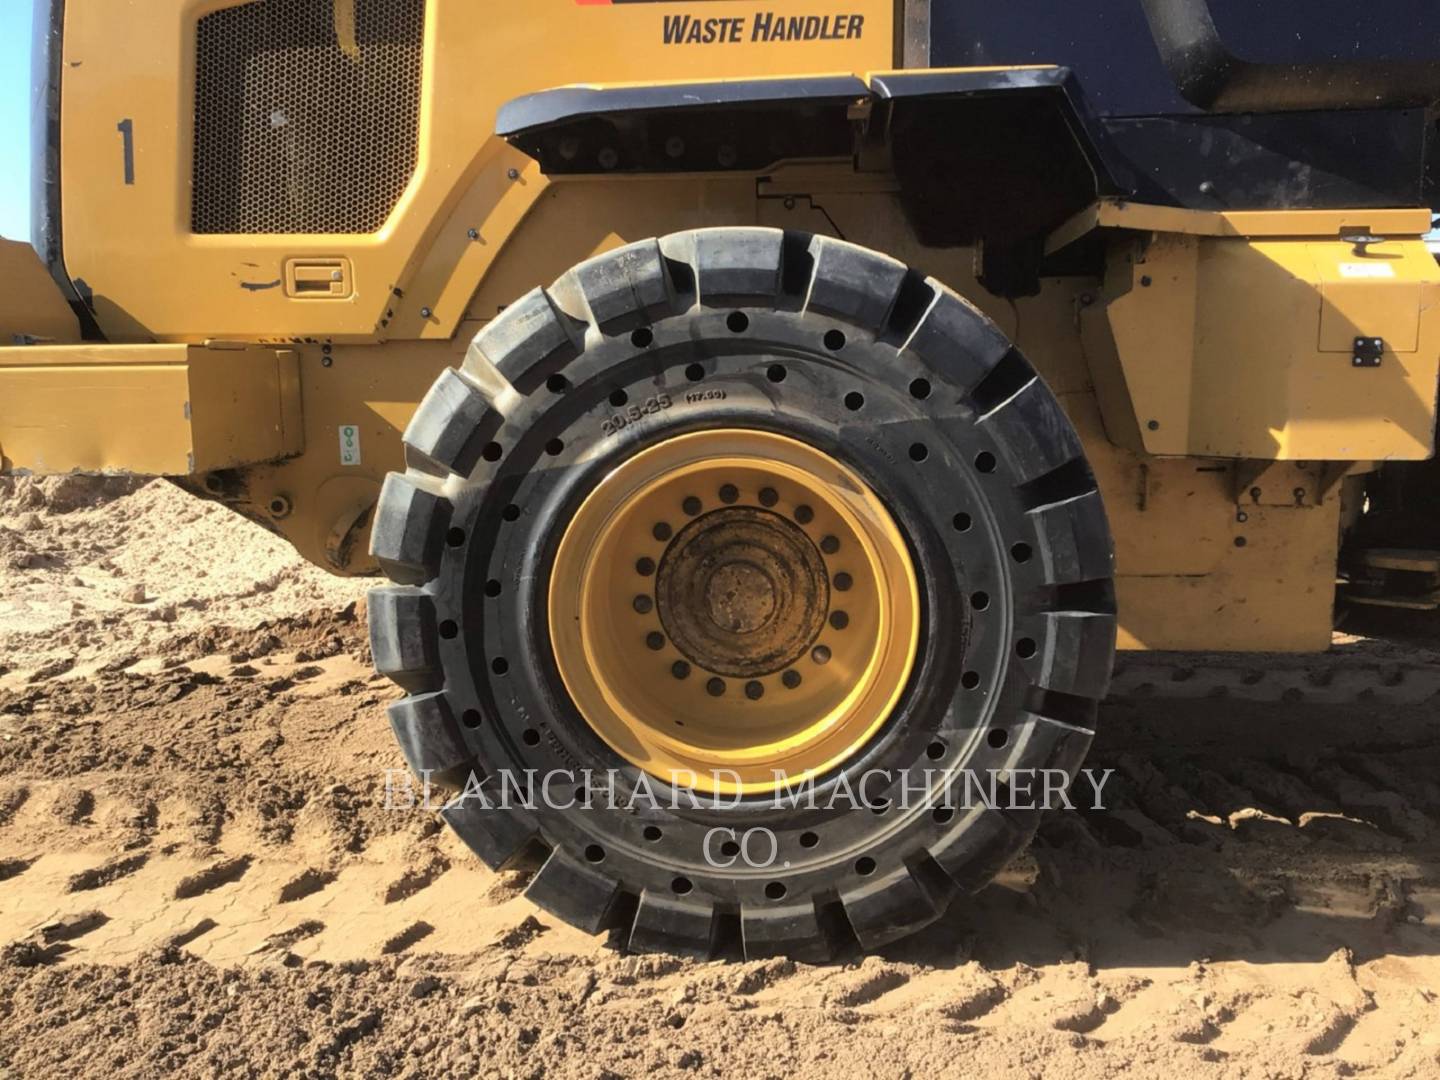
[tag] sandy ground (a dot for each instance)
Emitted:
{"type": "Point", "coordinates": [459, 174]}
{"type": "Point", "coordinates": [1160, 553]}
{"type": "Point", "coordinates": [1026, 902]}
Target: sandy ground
{"type": "Point", "coordinates": [198, 875]}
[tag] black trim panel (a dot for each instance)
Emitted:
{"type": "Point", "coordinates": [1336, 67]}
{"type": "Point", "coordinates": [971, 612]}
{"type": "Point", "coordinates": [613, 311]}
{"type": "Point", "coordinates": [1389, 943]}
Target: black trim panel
{"type": "Point", "coordinates": [45, 225]}
{"type": "Point", "coordinates": [898, 85]}
{"type": "Point", "coordinates": [745, 124]}
{"type": "Point", "coordinates": [1211, 76]}
{"type": "Point", "coordinates": [1055, 85]}
{"type": "Point", "coordinates": [1276, 161]}
{"type": "Point", "coordinates": [1000, 157]}
{"type": "Point", "coordinates": [570, 103]}
{"type": "Point", "coordinates": [45, 129]}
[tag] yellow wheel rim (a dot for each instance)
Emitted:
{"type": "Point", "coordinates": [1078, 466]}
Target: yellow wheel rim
{"type": "Point", "coordinates": [734, 610]}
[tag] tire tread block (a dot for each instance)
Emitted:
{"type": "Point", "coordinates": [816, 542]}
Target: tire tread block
{"type": "Point", "coordinates": [977, 848]}
{"type": "Point", "coordinates": [403, 639]}
{"type": "Point", "coordinates": [574, 892]}
{"type": "Point", "coordinates": [671, 925]}
{"type": "Point", "coordinates": [1081, 653]}
{"type": "Point", "coordinates": [1052, 744]}
{"type": "Point", "coordinates": [429, 737]}
{"type": "Point", "coordinates": [736, 266]}
{"type": "Point", "coordinates": [793, 930]}
{"type": "Point", "coordinates": [626, 288]}
{"type": "Point", "coordinates": [503, 839]}
{"type": "Point", "coordinates": [1033, 433]}
{"type": "Point", "coordinates": [889, 909]}
{"type": "Point", "coordinates": [453, 424]}
{"type": "Point", "coordinates": [956, 341]}
{"type": "Point", "coordinates": [852, 283]}
{"type": "Point", "coordinates": [409, 530]}
{"type": "Point", "coordinates": [530, 340]}
{"type": "Point", "coordinates": [1075, 540]}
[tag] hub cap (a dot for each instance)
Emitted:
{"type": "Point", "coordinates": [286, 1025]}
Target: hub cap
{"type": "Point", "coordinates": [731, 604]}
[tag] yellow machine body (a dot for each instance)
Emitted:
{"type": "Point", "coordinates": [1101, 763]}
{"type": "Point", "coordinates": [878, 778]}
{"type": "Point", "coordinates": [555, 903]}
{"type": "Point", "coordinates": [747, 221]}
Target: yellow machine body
{"type": "Point", "coordinates": [167, 410]}
{"type": "Point", "coordinates": [131, 241]}
{"type": "Point", "coordinates": [1211, 372]}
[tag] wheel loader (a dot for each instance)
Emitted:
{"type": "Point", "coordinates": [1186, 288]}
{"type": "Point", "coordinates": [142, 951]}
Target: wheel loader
{"type": "Point", "coordinates": [752, 396]}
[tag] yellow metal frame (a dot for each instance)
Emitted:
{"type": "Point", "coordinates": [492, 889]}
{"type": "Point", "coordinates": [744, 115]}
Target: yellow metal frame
{"type": "Point", "coordinates": [1142, 217]}
{"type": "Point", "coordinates": [161, 409]}
{"type": "Point", "coordinates": [1234, 332]}
{"type": "Point", "coordinates": [132, 242]}
{"type": "Point", "coordinates": [1244, 348]}
{"type": "Point", "coordinates": [33, 311]}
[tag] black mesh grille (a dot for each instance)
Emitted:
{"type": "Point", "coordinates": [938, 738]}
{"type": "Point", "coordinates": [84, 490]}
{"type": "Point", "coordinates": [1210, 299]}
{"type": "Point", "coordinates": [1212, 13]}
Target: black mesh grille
{"type": "Point", "coordinates": [305, 122]}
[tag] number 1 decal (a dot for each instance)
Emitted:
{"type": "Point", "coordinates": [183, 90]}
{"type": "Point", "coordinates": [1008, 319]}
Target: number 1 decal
{"type": "Point", "coordinates": [126, 128]}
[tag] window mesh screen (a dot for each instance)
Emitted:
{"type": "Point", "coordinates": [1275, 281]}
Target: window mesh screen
{"type": "Point", "coordinates": [307, 114]}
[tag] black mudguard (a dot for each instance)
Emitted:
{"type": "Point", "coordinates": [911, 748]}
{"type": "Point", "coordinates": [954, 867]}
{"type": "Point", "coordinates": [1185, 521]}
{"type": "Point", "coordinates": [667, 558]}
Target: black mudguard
{"type": "Point", "coordinates": [997, 155]}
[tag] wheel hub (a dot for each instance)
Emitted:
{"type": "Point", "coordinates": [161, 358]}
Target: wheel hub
{"type": "Point", "coordinates": [741, 597]}
{"type": "Point", "coordinates": [742, 592]}
{"type": "Point", "coordinates": [731, 604]}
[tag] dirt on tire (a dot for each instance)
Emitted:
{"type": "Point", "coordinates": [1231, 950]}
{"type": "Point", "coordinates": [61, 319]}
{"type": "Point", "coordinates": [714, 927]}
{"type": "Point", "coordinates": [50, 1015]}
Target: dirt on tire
{"type": "Point", "coordinates": [200, 874]}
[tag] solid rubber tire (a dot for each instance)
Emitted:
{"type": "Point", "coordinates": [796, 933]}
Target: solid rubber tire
{"type": "Point", "coordinates": [894, 374]}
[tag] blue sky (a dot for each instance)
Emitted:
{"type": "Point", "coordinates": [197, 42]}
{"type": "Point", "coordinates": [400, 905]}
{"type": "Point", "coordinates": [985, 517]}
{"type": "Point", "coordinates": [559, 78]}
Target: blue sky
{"type": "Point", "coordinates": [15, 119]}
